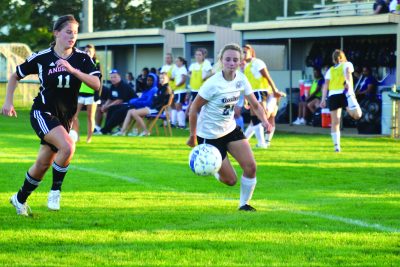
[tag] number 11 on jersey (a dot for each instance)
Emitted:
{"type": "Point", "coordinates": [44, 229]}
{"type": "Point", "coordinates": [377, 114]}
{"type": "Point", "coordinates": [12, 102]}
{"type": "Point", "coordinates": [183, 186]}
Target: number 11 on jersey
{"type": "Point", "coordinates": [60, 81]}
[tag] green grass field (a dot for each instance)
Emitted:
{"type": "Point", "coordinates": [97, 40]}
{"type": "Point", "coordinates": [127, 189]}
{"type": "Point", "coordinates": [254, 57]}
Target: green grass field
{"type": "Point", "coordinates": [134, 201]}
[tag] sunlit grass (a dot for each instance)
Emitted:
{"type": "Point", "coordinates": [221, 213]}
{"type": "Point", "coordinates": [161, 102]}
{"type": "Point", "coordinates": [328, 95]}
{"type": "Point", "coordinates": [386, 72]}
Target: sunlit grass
{"type": "Point", "coordinates": [134, 201]}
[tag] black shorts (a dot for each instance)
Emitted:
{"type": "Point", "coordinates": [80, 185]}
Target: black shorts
{"type": "Point", "coordinates": [180, 98]}
{"type": "Point", "coordinates": [42, 123]}
{"type": "Point", "coordinates": [337, 101]}
{"type": "Point", "coordinates": [261, 95]}
{"type": "Point", "coordinates": [312, 98]}
{"type": "Point", "coordinates": [222, 142]}
{"type": "Point", "coordinates": [193, 95]}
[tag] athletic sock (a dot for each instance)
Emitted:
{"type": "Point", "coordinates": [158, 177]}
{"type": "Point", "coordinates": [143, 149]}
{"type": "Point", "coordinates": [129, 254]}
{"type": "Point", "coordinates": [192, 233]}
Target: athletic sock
{"type": "Point", "coordinates": [336, 139]}
{"type": "Point", "coordinates": [181, 118]}
{"type": "Point", "coordinates": [249, 131]}
{"type": "Point", "coordinates": [259, 133]}
{"type": "Point", "coordinates": [268, 136]}
{"type": "Point", "coordinates": [58, 176]}
{"type": "Point", "coordinates": [30, 184]}
{"type": "Point", "coordinates": [174, 116]}
{"type": "Point", "coordinates": [247, 186]}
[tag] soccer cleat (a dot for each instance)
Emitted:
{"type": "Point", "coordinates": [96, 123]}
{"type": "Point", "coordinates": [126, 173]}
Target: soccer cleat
{"type": "Point", "coordinates": [297, 121]}
{"type": "Point", "coordinates": [144, 133]}
{"type": "Point", "coordinates": [53, 202]}
{"type": "Point", "coordinates": [262, 146]}
{"type": "Point", "coordinates": [22, 209]}
{"type": "Point", "coordinates": [247, 207]}
{"type": "Point", "coordinates": [118, 134]}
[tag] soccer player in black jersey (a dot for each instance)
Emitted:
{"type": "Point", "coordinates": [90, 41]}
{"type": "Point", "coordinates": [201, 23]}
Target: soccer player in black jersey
{"type": "Point", "coordinates": [61, 70]}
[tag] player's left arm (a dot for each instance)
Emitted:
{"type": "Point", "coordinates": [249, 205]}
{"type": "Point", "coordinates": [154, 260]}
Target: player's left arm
{"type": "Point", "coordinates": [90, 80]}
{"type": "Point", "coordinates": [258, 110]}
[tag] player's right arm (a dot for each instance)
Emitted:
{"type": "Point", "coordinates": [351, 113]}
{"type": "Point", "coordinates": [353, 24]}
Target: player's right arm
{"type": "Point", "coordinates": [193, 112]}
{"type": "Point", "coordinates": [8, 106]}
{"type": "Point", "coordinates": [324, 93]}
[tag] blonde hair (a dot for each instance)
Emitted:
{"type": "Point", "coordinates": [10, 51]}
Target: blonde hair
{"type": "Point", "coordinates": [338, 56]}
{"type": "Point", "coordinates": [232, 46]}
{"type": "Point", "coordinates": [252, 51]}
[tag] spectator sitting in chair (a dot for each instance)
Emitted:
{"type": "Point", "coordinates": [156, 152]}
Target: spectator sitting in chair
{"type": "Point", "coordinates": [314, 99]}
{"type": "Point", "coordinates": [160, 99]}
{"type": "Point", "coordinates": [367, 88]}
{"type": "Point", "coordinates": [117, 116]}
{"type": "Point", "coordinates": [118, 93]}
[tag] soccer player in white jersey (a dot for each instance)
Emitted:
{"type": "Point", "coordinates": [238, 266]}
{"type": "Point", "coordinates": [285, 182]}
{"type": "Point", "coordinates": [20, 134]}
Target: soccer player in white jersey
{"type": "Point", "coordinates": [211, 119]}
{"type": "Point", "coordinates": [339, 84]}
{"type": "Point", "coordinates": [61, 69]}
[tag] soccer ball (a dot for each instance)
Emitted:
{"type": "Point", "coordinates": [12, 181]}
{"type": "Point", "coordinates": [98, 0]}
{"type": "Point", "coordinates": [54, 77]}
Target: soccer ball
{"type": "Point", "coordinates": [205, 159]}
{"type": "Point", "coordinates": [74, 135]}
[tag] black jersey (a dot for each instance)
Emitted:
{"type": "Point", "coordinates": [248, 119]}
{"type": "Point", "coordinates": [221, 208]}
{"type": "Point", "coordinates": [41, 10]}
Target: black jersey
{"type": "Point", "coordinates": [59, 89]}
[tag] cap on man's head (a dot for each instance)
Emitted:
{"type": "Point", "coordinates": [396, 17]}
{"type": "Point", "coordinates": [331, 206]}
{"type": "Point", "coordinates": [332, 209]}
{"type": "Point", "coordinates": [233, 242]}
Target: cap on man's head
{"type": "Point", "coordinates": [113, 71]}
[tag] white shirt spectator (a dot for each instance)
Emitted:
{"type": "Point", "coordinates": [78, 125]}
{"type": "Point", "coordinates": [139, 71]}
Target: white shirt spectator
{"type": "Point", "coordinates": [206, 68]}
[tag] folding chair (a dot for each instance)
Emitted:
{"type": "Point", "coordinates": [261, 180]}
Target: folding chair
{"type": "Point", "coordinates": [163, 114]}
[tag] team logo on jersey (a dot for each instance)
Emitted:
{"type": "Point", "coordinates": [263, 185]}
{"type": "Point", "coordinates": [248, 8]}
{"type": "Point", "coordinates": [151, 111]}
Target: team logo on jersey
{"type": "Point", "coordinates": [239, 84]}
{"type": "Point", "coordinates": [56, 69]}
{"type": "Point", "coordinates": [229, 99]}
{"type": "Point", "coordinates": [52, 64]}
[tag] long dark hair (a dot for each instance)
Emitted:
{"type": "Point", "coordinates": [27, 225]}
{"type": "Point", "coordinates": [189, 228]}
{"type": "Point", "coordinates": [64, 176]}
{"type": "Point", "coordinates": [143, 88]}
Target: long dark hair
{"type": "Point", "coordinates": [61, 22]}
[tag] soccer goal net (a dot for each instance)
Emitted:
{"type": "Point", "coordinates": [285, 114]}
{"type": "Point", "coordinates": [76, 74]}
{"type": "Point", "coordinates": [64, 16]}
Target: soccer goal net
{"type": "Point", "coordinates": [11, 55]}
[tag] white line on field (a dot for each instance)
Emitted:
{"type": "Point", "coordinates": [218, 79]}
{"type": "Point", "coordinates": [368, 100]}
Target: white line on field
{"type": "Point", "coordinates": [308, 213]}
{"type": "Point", "coordinates": [348, 221]}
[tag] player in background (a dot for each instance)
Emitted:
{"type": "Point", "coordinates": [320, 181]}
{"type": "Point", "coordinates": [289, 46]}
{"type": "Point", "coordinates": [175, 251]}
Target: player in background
{"type": "Point", "coordinates": [211, 119]}
{"type": "Point", "coordinates": [61, 70]}
{"type": "Point", "coordinates": [87, 98]}
{"type": "Point", "coordinates": [199, 71]}
{"type": "Point", "coordinates": [266, 93]}
{"type": "Point", "coordinates": [338, 87]}
{"type": "Point", "coordinates": [168, 68]}
{"type": "Point", "coordinates": [179, 76]}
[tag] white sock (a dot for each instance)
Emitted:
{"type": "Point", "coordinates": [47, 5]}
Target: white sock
{"type": "Point", "coordinates": [174, 114]}
{"type": "Point", "coordinates": [181, 118]}
{"type": "Point", "coordinates": [247, 186]}
{"type": "Point", "coordinates": [216, 175]}
{"type": "Point", "coordinates": [268, 136]}
{"type": "Point", "coordinates": [352, 102]}
{"type": "Point", "coordinates": [259, 132]}
{"type": "Point", "coordinates": [336, 139]}
{"type": "Point", "coordinates": [249, 131]}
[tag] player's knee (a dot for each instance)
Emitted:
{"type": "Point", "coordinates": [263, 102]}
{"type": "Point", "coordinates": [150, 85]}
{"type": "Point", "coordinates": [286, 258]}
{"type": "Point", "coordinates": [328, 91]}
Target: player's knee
{"type": "Point", "coordinates": [250, 169]}
{"type": "Point", "coordinates": [68, 148]}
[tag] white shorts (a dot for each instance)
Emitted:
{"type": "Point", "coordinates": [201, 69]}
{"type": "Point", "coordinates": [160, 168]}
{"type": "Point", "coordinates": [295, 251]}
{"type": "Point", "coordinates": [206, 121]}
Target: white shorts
{"type": "Point", "coordinates": [86, 100]}
{"type": "Point", "coordinates": [272, 103]}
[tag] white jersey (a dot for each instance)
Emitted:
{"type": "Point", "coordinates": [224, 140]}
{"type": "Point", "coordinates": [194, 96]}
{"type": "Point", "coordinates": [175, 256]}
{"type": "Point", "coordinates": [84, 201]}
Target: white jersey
{"type": "Point", "coordinates": [348, 66]}
{"type": "Point", "coordinates": [216, 117]}
{"type": "Point", "coordinates": [178, 73]}
{"type": "Point", "coordinates": [167, 68]}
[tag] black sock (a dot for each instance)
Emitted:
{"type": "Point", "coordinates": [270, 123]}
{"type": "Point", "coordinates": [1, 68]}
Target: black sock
{"type": "Point", "coordinates": [58, 176]}
{"type": "Point", "coordinates": [30, 184]}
